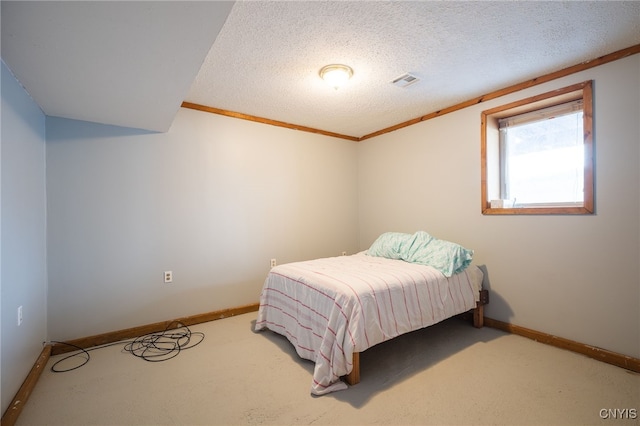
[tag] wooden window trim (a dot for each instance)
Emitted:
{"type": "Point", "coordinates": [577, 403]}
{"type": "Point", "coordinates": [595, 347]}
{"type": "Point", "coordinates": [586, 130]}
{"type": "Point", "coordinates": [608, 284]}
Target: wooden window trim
{"type": "Point", "coordinates": [582, 90]}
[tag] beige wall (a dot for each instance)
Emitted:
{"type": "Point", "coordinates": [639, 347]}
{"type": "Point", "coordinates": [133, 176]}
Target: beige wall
{"type": "Point", "coordinates": [213, 200]}
{"type": "Point", "coordinates": [23, 262]}
{"type": "Point", "coordinates": [572, 276]}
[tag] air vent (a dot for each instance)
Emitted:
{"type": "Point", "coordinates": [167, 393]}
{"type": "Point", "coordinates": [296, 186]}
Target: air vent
{"type": "Point", "coordinates": [405, 80]}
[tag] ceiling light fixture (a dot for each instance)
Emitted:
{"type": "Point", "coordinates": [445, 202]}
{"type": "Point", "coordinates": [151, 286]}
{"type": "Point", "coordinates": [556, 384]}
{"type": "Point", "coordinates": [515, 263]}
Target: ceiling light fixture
{"type": "Point", "coordinates": [336, 75]}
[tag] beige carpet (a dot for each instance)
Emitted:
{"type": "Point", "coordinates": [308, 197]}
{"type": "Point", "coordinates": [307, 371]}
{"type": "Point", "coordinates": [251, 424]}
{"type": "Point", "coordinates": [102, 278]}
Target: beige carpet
{"type": "Point", "coordinates": [448, 374]}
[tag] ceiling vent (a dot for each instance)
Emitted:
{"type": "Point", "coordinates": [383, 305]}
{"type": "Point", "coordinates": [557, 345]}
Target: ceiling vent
{"type": "Point", "coordinates": [405, 80]}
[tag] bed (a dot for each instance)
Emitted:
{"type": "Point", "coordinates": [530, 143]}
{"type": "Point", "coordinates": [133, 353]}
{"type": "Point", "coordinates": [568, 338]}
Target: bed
{"type": "Point", "coordinates": [331, 309]}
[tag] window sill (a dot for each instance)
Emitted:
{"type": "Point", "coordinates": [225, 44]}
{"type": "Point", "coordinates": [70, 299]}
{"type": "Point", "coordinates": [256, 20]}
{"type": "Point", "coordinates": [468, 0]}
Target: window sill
{"type": "Point", "coordinates": [537, 211]}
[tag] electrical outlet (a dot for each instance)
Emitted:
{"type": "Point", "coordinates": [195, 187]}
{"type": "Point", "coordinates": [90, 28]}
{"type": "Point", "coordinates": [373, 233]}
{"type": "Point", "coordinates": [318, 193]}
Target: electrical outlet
{"type": "Point", "coordinates": [20, 315]}
{"type": "Point", "coordinates": [168, 276]}
{"type": "Point", "coordinates": [273, 263]}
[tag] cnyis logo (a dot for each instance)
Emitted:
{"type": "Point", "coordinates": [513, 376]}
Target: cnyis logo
{"type": "Point", "coordinates": [619, 413]}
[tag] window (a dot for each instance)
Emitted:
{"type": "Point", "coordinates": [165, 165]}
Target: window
{"type": "Point", "coordinates": [537, 154]}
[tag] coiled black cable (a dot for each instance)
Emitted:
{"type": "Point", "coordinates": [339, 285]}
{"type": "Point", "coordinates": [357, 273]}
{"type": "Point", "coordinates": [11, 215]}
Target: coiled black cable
{"type": "Point", "coordinates": [153, 347]}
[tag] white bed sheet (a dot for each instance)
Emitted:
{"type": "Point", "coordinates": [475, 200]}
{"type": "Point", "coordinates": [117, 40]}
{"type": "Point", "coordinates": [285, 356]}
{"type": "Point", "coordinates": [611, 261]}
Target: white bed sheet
{"type": "Point", "coordinates": [332, 307]}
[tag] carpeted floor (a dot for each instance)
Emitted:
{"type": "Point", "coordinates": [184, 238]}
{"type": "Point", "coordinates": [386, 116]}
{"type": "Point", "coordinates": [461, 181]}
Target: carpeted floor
{"type": "Point", "coordinates": [447, 374]}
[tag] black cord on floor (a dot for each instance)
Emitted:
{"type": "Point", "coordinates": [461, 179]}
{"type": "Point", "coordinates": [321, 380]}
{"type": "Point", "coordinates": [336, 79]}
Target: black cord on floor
{"type": "Point", "coordinates": [153, 347]}
{"type": "Point", "coordinates": [84, 352]}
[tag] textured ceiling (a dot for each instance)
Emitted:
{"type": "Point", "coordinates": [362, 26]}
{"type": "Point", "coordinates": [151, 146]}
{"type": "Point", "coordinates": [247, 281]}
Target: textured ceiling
{"type": "Point", "coordinates": [265, 59]}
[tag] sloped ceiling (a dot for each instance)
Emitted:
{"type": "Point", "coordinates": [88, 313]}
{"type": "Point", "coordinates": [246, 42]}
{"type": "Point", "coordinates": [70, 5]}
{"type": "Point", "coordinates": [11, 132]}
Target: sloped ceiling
{"type": "Point", "coordinates": [123, 63]}
{"type": "Point", "coordinates": [132, 63]}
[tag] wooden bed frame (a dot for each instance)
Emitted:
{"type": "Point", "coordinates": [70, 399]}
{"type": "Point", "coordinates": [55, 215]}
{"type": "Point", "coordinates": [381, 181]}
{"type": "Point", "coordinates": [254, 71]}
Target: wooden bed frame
{"type": "Point", "coordinates": [353, 378]}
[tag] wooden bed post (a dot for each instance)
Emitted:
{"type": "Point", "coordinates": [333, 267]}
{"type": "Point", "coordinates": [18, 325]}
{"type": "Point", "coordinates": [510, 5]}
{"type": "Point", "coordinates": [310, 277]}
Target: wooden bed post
{"type": "Point", "coordinates": [353, 378]}
{"type": "Point", "coordinates": [478, 311]}
{"type": "Point", "coordinates": [478, 316]}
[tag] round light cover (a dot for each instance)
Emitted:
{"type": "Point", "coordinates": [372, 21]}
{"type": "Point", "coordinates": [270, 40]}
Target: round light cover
{"type": "Point", "coordinates": [336, 75]}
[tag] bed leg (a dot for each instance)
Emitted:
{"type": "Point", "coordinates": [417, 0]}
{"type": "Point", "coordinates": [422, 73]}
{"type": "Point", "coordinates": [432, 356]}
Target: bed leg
{"type": "Point", "coordinates": [353, 378]}
{"type": "Point", "coordinates": [478, 312]}
{"type": "Point", "coordinates": [478, 316]}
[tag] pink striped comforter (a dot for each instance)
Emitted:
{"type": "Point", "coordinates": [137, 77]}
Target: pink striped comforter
{"type": "Point", "coordinates": [330, 308]}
